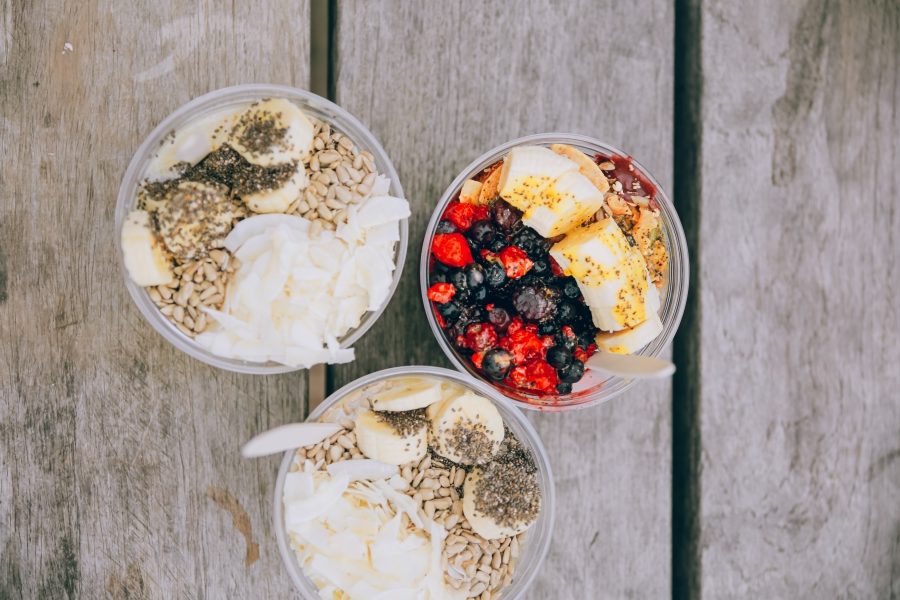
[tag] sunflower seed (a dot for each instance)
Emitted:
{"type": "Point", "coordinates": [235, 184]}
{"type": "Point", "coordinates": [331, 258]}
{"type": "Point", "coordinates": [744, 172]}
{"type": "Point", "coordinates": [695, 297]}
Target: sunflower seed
{"type": "Point", "coordinates": [327, 157]}
{"type": "Point", "coordinates": [178, 314]}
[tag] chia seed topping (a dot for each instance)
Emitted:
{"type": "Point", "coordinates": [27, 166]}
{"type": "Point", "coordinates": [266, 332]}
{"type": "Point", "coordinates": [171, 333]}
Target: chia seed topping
{"type": "Point", "coordinates": [194, 218]}
{"type": "Point", "coordinates": [471, 443]}
{"type": "Point", "coordinates": [508, 490]}
{"type": "Point", "coordinates": [227, 167]}
{"type": "Point", "coordinates": [404, 422]}
{"type": "Point", "coordinates": [258, 131]}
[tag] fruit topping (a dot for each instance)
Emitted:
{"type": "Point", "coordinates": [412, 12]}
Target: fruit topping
{"type": "Point", "coordinates": [441, 292]}
{"type": "Point", "coordinates": [515, 262]}
{"type": "Point", "coordinates": [451, 249]}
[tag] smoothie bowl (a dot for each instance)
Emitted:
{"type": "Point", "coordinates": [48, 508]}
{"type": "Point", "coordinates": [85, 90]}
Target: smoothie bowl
{"type": "Point", "coordinates": [262, 229]}
{"type": "Point", "coordinates": [425, 485]}
{"type": "Point", "coordinates": [544, 251]}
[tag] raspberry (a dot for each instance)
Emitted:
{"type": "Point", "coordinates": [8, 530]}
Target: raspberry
{"type": "Point", "coordinates": [451, 249]}
{"type": "Point", "coordinates": [537, 375]}
{"type": "Point", "coordinates": [523, 344]}
{"type": "Point", "coordinates": [441, 292]}
{"type": "Point", "coordinates": [480, 337]}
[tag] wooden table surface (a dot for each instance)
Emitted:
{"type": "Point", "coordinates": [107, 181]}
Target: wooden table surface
{"type": "Point", "coordinates": [768, 468]}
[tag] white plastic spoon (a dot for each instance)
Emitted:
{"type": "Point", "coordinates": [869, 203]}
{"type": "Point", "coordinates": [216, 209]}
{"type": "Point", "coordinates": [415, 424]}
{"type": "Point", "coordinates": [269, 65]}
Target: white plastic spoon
{"type": "Point", "coordinates": [630, 366]}
{"type": "Point", "coordinates": [288, 437]}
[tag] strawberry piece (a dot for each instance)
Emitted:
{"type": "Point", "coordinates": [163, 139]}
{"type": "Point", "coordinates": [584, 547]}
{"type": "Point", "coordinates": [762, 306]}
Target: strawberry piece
{"type": "Point", "coordinates": [461, 215]}
{"type": "Point", "coordinates": [482, 213]}
{"type": "Point", "coordinates": [451, 249]}
{"type": "Point", "coordinates": [536, 375]}
{"type": "Point", "coordinates": [515, 325]}
{"type": "Point", "coordinates": [515, 262]}
{"type": "Point", "coordinates": [580, 353]}
{"type": "Point", "coordinates": [441, 292]}
{"type": "Point", "coordinates": [477, 359]}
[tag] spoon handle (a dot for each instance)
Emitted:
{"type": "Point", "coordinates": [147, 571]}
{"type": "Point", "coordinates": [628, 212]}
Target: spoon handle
{"type": "Point", "coordinates": [631, 366]}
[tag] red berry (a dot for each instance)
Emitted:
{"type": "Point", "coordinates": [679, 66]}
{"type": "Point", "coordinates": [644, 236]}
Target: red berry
{"type": "Point", "coordinates": [441, 292]}
{"type": "Point", "coordinates": [477, 359]}
{"type": "Point", "coordinates": [515, 325]}
{"type": "Point", "coordinates": [461, 215]}
{"type": "Point", "coordinates": [555, 268]}
{"type": "Point", "coordinates": [536, 375]}
{"type": "Point", "coordinates": [523, 344]}
{"type": "Point", "coordinates": [480, 337]}
{"type": "Point", "coordinates": [440, 319]}
{"type": "Point", "coordinates": [451, 249]}
{"type": "Point", "coordinates": [515, 262]}
{"type": "Point", "coordinates": [580, 353]}
{"type": "Point", "coordinates": [482, 213]}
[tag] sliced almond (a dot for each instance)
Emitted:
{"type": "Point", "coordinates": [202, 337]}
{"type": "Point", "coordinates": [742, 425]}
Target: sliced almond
{"type": "Point", "coordinates": [490, 187]}
{"type": "Point", "coordinates": [586, 166]}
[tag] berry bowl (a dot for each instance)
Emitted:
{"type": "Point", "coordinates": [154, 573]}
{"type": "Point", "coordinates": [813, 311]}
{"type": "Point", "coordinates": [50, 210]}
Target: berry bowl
{"type": "Point", "coordinates": [543, 251]}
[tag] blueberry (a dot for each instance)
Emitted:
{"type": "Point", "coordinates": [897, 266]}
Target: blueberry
{"type": "Point", "coordinates": [564, 388]}
{"type": "Point", "coordinates": [559, 357]}
{"type": "Point", "coordinates": [474, 276]}
{"type": "Point", "coordinates": [499, 318]}
{"type": "Point", "coordinates": [497, 245]}
{"type": "Point", "coordinates": [570, 288]}
{"type": "Point", "coordinates": [449, 310]}
{"type": "Point", "coordinates": [482, 232]}
{"type": "Point", "coordinates": [566, 313]}
{"type": "Point", "coordinates": [459, 280]}
{"type": "Point", "coordinates": [535, 303]}
{"type": "Point", "coordinates": [446, 227]}
{"type": "Point", "coordinates": [586, 337]}
{"type": "Point", "coordinates": [571, 372]}
{"type": "Point", "coordinates": [479, 294]}
{"type": "Point", "coordinates": [437, 278]}
{"type": "Point", "coordinates": [505, 216]}
{"type": "Point", "coordinates": [496, 363]}
{"type": "Point", "coordinates": [495, 275]}
{"type": "Point", "coordinates": [541, 269]}
{"type": "Point", "coordinates": [565, 341]}
{"type": "Point", "coordinates": [547, 327]}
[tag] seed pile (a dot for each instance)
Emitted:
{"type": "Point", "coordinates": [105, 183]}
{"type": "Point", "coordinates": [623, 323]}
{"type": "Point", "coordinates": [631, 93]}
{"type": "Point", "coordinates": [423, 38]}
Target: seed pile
{"type": "Point", "coordinates": [340, 175]}
{"type": "Point", "coordinates": [479, 566]}
{"type": "Point", "coordinates": [404, 422]}
{"type": "Point", "coordinates": [198, 284]}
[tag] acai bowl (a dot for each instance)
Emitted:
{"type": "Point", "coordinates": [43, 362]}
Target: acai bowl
{"type": "Point", "coordinates": [262, 229]}
{"type": "Point", "coordinates": [543, 251]}
{"type": "Point", "coordinates": [416, 493]}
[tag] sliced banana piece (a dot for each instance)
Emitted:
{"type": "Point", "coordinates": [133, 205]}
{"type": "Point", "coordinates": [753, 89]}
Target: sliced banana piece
{"type": "Point", "coordinates": [467, 429]}
{"type": "Point", "coordinates": [405, 394]}
{"type": "Point", "coordinates": [629, 341]}
{"type": "Point", "coordinates": [279, 198]}
{"type": "Point", "coordinates": [527, 171]}
{"type": "Point", "coordinates": [146, 260]}
{"type": "Point", "coordinates": [379, 439]}
{"type": "Point", "coordinates": [191, 143]}
{"type": "Point", "coordinates": [490, 514]}
{"type": "Point", "coordinates": [272, 132]}
{"type": "Point", "coordinates": [564, 205]}
{"type": "Point", "coordinates": [610, 272]}
{"type": "Point", "coordinates": [586, 166]}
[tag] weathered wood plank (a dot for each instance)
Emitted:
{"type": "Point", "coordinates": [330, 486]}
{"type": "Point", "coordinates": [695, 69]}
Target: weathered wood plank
{"type": "Point", "coordinates": [441, 82]}
{"type": "Point", "coordinates": [800, 424]}
{"type": "Point", "coordinates": [119, 470]}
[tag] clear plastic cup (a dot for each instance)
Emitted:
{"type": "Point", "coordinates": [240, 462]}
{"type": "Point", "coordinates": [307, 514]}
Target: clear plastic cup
{"type": "Point", "coordinates": [537, 540]}
{"type": "Point", "coordinates": [314, 106]}
{"type": "Point", "coordinates": [593, 388]}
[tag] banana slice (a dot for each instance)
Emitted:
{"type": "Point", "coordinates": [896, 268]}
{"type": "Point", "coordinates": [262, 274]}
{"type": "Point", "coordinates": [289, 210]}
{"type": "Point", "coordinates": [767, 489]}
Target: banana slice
{"type": "Point", "coordinates": [145, 259]}
{"type": "Point", "coordinates": [467, 429]}
{"type": "Point", "coordinates": [527, 171]}
{"type": "Point", "coordinates": [470, 191]}
{"type": "Point", "coordinates": [490, 514]}
{"type": "Point", "coordinates": [272, 132]}
{"type": "Point", "coordinates": [629, 341]}
{"type": "Point", "coordinates": [586, 166]}
{"type": "Point", "coordinates": [611, 274]}
{"type": "Point", "coordinates": [191, 143]}
{"type": "Point", "coordinates": [564, 205]}
{"type": "Point", "coordinates": [395, 438]}
{"type": "Point", "coordinates": [407, 394]}
{"type": "Point", "coordinates": [279, 198]}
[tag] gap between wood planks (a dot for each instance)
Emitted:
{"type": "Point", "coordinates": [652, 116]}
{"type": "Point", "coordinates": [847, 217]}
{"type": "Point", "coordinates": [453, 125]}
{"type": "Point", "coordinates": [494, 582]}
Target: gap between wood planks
{"type": "Point", "coordinates": [321, 82]}
{"type": "Point", "coordinates": [686, 382]}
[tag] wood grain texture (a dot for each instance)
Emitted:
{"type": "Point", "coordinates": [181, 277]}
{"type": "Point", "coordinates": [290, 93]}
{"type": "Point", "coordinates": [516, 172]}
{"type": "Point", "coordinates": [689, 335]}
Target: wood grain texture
{"type": "Point", "coordinates": [440, 83]}
{"type": "Point", "coordinates": [800, 259]}
{"type": "Point", "coordinates": [119, 468]}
